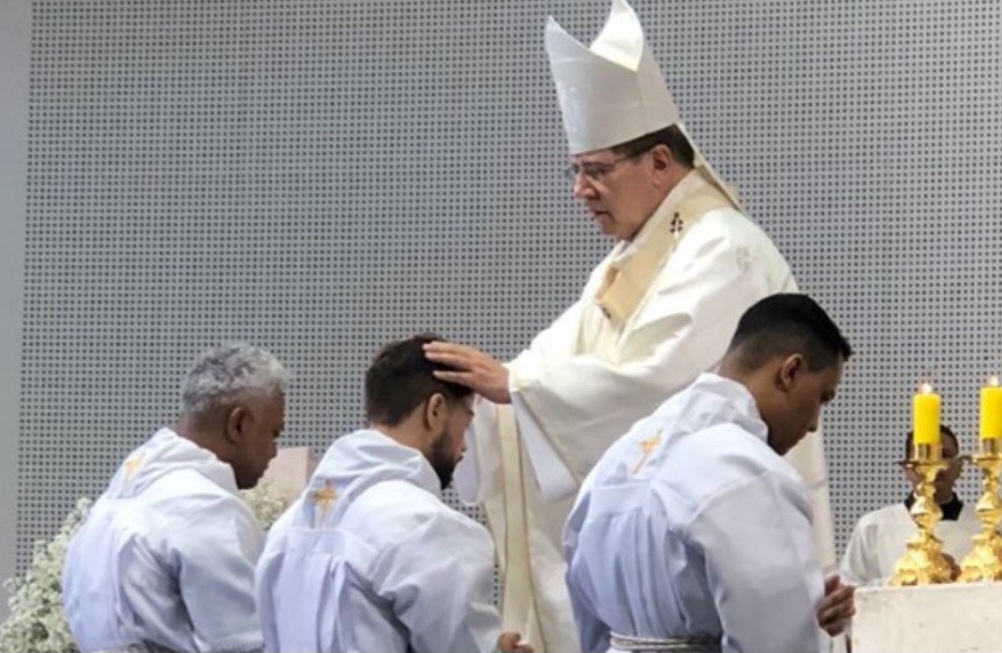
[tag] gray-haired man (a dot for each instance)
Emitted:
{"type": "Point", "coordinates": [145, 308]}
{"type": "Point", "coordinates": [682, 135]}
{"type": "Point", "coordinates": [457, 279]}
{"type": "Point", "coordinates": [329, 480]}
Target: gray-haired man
{"type": "Point", "coordinates": [165, 559]}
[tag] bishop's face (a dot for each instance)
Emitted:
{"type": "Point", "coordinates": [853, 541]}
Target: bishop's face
{"type": "Point", "coordinates": [620, 192]}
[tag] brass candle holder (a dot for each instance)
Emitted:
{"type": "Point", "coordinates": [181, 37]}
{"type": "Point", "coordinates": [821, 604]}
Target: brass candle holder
{"type": "Point", "coordinates": [984, 562]}
{"type": "Point", "coordinates": [923, 562]}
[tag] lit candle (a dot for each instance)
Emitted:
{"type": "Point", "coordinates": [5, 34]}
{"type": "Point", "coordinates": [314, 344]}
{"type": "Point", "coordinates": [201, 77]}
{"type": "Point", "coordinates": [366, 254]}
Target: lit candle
{"type": "Point", "coordinates": [925, 416]}
{"type": "Point", "coordinates": [991, 410]}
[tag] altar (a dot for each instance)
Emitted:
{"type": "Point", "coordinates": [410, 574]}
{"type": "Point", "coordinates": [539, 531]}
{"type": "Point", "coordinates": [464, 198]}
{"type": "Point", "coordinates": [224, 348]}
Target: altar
{"type": "Point", "coordinates": [928, 618]}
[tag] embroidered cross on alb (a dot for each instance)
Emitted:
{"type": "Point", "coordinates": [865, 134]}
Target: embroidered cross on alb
{"type": "Point", "coordinates": [647, 447]}
{"type": "Point", "coordinates": [325, 498]}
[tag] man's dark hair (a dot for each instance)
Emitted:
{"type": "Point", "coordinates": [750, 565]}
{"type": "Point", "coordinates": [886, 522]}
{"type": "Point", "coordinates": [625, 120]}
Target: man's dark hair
{"type": "Point", "coordinates": [784, 324]}
{"type": "Point", "coordinates": [400, 378]}
{"type": "Point", "coordinates": [671, 137]}
{"type": "Point", "coordinates": [944, 430]}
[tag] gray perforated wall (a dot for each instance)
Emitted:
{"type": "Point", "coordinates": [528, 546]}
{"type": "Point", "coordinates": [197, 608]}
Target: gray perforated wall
{"type": "Point", "coordinates": [319, 177]}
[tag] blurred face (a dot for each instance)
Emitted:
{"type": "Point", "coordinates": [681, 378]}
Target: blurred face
{"type": "Point", "coordinates": [946, 478]}
{"type": "Point", "coordinates": [621, 193]}
{"type": "Point", "coordinates": [799, 395]}
{"type": "Point", "coordinates": [253, 428]}
{"type": "Point", "coordinates": [449, 444]}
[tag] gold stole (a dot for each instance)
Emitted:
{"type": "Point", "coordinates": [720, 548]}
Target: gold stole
{"type": "Point", "coordinates": [626, 285]}
{"type": "Point", "coordinates": [519, 611]}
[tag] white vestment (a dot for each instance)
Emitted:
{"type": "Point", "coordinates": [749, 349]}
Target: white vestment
{"type": "Point", "coordinates": [588, 377]}
{"type": "Point", "coordinates": [370, 560]}
{"type": "Point", "coordinates": [879, 539]}
{"type": "Point", "coordinates": [692, 526]}
{"type": "Point", "coordinates": [166, 556]}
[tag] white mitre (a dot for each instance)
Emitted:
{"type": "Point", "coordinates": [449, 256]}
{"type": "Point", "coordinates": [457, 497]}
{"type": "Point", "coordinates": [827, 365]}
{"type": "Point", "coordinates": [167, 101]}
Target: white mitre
{"type": "Point", "coordinates": [612, 92]}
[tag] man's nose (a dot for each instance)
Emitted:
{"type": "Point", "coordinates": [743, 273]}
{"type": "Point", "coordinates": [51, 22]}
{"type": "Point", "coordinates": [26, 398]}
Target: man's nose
{"type": "Point", "coordinates": [583, 188]}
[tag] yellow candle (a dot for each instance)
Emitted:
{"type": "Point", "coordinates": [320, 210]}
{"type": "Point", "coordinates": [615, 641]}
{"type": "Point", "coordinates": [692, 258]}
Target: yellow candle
{"type": "Point", "coordinates": [991, 410]}
{"type": "Point", "coordinates": [925, 416]}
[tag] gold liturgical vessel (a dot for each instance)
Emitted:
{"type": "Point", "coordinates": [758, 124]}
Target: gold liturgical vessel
{"type": "Point", "coordinates": [924, 563]}
{"type": "Point", "coordinates": [984, 562]}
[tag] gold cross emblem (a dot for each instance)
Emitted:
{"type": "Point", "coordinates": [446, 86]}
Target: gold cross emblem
{"type": "Point", "coordinates": [132, 464]}
{"type": "Point", "coordinates": [647, 447]}
{"type": "Point", "coordinates": [325, 498]}
{"type": "Point", "coordinates": [677, 226]}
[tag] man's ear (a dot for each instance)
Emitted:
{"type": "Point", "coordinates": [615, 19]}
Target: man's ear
{"type": "Point", "coordinates": [236, 423]}
{"type": "Point", "coordinates": [791, 368]}
{"type": "Point", "coordinates": [435, 411]}
{"type": "Point", "coordinates": [661, 158]}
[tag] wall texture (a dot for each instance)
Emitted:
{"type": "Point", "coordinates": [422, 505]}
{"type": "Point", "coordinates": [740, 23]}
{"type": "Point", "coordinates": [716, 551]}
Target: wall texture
{"type": "Point", "coordinates": [319, 177]}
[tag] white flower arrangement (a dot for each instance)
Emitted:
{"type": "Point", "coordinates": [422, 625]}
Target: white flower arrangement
{"type": "Point", "coordinates": [36, 623]}
{"type": "Point", "coordinates": [266, 502]}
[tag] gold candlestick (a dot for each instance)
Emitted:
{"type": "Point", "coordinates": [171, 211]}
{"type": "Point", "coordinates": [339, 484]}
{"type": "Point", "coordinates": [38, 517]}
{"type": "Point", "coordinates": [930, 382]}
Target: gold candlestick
{"type": "Point", "coordinates": [984, 562]}
{"type": "Point", "coordinates": [924, 563]}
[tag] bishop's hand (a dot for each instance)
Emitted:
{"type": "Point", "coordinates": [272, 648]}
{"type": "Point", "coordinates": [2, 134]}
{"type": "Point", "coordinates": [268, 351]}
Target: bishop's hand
{"type": "Point", "coordinates": [473, 368]}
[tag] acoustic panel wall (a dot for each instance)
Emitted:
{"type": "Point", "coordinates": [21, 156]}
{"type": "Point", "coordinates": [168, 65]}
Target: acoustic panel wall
{"type": "Point", "coordinates": [319, 177]}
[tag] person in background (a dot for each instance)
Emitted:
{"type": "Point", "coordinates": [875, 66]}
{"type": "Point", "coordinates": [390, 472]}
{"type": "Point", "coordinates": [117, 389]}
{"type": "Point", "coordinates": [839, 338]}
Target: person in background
{"type": "Point", "coordinates": [879, 539]}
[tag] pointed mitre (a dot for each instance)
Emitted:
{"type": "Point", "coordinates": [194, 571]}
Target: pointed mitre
{"type": "Point", "coordinates": [613, 92]}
